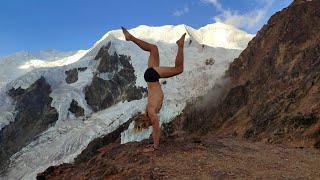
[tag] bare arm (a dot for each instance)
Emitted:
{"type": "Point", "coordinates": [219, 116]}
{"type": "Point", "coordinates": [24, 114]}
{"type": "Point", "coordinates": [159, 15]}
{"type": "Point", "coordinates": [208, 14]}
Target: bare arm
{"type": "Point", "coordinates": [155, 126]}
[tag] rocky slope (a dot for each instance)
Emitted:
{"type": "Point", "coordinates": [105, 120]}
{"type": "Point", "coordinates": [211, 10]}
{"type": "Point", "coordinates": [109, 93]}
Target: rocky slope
{"type": "Point", "coordinates": [274, 94]}
{"type": "Point", "coordinates": [186, 157]}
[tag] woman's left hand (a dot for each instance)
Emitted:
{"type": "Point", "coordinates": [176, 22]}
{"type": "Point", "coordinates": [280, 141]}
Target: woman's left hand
{"type": "Point", "coordinates": [150, 148]}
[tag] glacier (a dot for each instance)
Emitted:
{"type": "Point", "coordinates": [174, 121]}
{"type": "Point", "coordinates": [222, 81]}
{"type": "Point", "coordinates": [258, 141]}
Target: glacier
{"type": "Point", "coordinates": [63, 141]}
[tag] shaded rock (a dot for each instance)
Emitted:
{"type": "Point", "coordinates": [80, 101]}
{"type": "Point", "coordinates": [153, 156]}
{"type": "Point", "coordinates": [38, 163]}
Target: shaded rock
{"type": "Point", "coordinates": [82, 69]}
{"type": "Point", "coordinates": [75, 109]}
{"type": "Point", "coordinates": [317, 145]}
{"type": "Point", "coordinates": [72, 76]}
{"type": "Point", "coordinates": [15, 93]}
{"type": "Point", "coordinates": [210, 61]}
{"type": "Point", "coordinates": [102, 93]}
{"type": "Point", "coordinates": [34, 115]}
{"type": "Point", "coordinates": [302, 120]}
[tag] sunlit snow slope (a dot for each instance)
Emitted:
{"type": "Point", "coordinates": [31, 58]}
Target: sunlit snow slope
{"type": "Point", "coordinates": [18, 64]}
{"type": "Point", "coordinates": [70, 135]}
{"type": "Point", "coordinates": [14, 66]}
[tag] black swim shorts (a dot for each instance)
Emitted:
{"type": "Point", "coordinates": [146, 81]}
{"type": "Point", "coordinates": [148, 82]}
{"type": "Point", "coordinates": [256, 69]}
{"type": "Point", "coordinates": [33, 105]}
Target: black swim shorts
{"type": "Point", "coordinates": [151, 75]}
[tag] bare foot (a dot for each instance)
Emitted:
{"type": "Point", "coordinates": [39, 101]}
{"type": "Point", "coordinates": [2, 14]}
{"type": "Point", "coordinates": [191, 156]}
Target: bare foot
{"type": "Point", "coordinates": [126, 34]}
{"type": "Point", "coordinates": [180, 42]}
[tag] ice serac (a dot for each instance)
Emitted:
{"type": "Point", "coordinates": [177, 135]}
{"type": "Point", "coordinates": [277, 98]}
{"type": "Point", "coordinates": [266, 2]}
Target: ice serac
{"type": "Point", "coordinates": [274, 94]}
{"type": "Point", "coordinates": [113, 81]}
{"type": "Point", "coordinates": [34, 115]}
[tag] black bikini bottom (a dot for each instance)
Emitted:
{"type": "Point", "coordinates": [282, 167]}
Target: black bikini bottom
{"type": "Point", "coordinates": [151, 75]}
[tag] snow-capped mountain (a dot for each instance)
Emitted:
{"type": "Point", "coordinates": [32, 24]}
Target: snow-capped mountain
{"type": "Point", "coordinates": [18, 64]}
{"type": "Point", "coordinates": [76, 78]}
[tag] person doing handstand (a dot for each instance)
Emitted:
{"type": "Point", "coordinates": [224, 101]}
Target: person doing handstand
{"type": "Point", "coordinates": [155, 93]}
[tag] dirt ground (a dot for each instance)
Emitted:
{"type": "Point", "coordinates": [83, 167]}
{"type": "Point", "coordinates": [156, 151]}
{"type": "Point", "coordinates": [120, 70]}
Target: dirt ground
{"type": "Point", "coordinates": [207, 157]}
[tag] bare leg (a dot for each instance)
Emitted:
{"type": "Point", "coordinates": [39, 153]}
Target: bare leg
{"type": "Point", "coordinates": [166, 72]}
{"type": "Point", "coordinates": [153, 49]}
{"type": "Point", "coordinates": [179, 58]}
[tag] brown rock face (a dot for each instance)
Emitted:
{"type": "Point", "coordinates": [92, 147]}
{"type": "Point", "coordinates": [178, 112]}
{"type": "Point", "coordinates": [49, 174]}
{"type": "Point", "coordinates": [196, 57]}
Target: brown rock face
{"type": "Point", "coordinates": [274, 94]}
{"type": "Point", "coordinates": [282, 64]}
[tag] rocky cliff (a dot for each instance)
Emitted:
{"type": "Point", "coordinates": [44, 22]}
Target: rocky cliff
{"type": "Point", "coordinates": [34, 115]}
{"type": "Point", "coordinates": [114, 81]}
{"type": "Point", "coordinates": [274, 91]}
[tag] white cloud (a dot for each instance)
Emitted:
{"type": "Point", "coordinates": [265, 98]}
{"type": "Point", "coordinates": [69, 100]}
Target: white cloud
{"type": "Point", "coordinates": [215, 3]}
{"type": "Point", "coordinates": [249, 20]}
{"type": "Point", "coordinates": [181, 12]}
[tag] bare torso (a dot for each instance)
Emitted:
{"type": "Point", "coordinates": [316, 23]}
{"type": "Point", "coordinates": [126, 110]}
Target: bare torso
{"type": "Point", "coordinates": [155, 96]}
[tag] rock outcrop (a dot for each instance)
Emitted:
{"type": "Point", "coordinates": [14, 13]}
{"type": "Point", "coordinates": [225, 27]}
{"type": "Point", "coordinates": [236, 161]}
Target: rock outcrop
{"type": "Point", "coordinates": [82, 68]}
{"type": "Point", "coordinates": [34, 114]}
{"type": "Point", "coordinates": [118, 84]}
{"type": "Point", "coordinates": [75, 109]}
{"type": "Point", "coordinates": [274, 94]}
{"type": "Point", "coordinates": [72, 76]}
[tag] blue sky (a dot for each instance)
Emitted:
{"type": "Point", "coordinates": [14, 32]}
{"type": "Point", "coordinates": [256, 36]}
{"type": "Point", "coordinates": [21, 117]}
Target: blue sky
{"type": "Point", "coordinates": [67, 25]}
